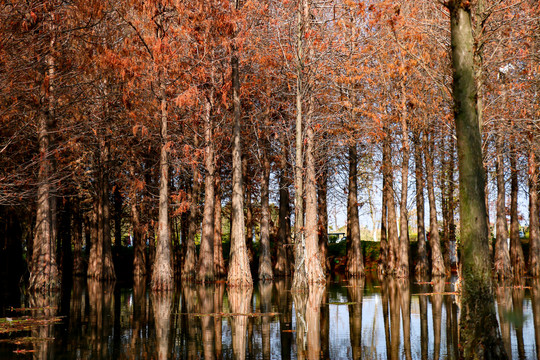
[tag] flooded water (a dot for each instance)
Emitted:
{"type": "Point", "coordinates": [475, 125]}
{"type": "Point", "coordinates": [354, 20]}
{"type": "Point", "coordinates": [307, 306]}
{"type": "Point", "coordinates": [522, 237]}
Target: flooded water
{"type": "Point", "coordinates": [357, 319]}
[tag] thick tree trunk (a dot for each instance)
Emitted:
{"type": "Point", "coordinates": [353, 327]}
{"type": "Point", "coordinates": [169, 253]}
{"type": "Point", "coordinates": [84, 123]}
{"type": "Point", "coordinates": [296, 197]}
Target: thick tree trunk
{"type": "Point", "coordinates": [239, 270]}
{"type": "Point", "coordinates": [502, 256]}
{"type": "Point", "coordinates": [100, 264]}
{"type": "Point", "coordinates": [265, 261]}
{"type": "Point", "coordinates": [355, 262]}
{"type": "Point", "coordinates": [188, 269]}
{"type": "Point", "coordinates": [219, 262]}
{"type": "Point", "coordinates": [44, 275]}
{"type": "Point", "coordinates": [403, 258]}
{"type": "Point", "coordinates": [315, 273]}
{"type": "Point", "coordinates": [162, 272]}
{"type": "Point", "coordinates": [534, 226]}
{"type": "Point", "coordinates": [516, 251]}
{"type": "Point", "coordinates": [422, 265]}
{"type": "Point", "coordinates": [205, 271]}
{"type": "Point", "coordinates": [249, 209]}
{"type": "Point", "coordinates": [282, 266]}
{"type": "Point", "coordinates": [480, 337]}
{"type": "Point", "coordinates": [437, 261]}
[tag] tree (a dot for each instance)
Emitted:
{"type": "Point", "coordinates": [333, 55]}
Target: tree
{"type": "Point", "coordinates": [479, 335]}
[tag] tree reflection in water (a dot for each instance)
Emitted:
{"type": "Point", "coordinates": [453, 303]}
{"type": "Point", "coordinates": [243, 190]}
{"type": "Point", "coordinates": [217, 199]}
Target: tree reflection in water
{"type": "Point", "coordinates": [415, 321]}
{"type": "Point", "coordinates": [240, 301]}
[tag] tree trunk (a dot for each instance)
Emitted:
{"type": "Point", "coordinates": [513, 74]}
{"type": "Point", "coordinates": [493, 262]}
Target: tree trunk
{"type": "Point", "coordinates": [265, 261]}
{"type": "Point", "coordinates": [282, 266]}
{"type": "Point", "coordinates": [383, 255]}
{"type": "Point", "coordinates": [355, 262]}
{"type": "Point", "coordinates": [118, 204]}
{"type": "Point", "coordinates": [300, 275]}
{"type": "Point", "coordinates": [534, 226]}
{"type": "Point", "coordinates": [44, 275]}
{"type": "Point", "coordinates": [162, 306]}
{"type": "Point", "coordinates": [188, 269]}
{"type": "Point", "coordinates": [100, 264]}
{"type": "Point", "coordinates": [162, 272]}
{"type": "Point", "coordinates": [78, 261]}
{"type": "Point", "coordinates": [315, 273]}
{"type": "Point", "coordinates": [403, 258]}
{"type": "Point", "coordinates": [437, 261]}
{"type": "Point", "coordinates": [479, 331]}
{"type": "Point", "coordinates": [355, 292]}
{"type": "Point", "coordinates": [239, 270]}
{"type": "Point", "coordinates": [139, 246]}
{"type": "Point", "coordinates": [205, 271]}
{"type": "Point", "coordinates": [393, 240]}
{"type": "Point", "coordinates": [322, 190]}
{"type": "Point", "coordinates": [422, 265]}
{"type": "Point", "coordinates": [219, 262]}
{"type": "Point", "coordinates": [502, 256]}
{"type": "Point", "coordinates": [516, 251]}
{"type": "Point", "coordinates": [240, 302]}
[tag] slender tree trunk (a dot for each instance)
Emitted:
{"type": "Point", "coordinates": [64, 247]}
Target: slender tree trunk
{"type": "Point", "coordinates": [502, 256]}
{"type": "Point", "coordinates": [355, 262]}
{"type": "Point", "coordinates": [393, 239]}
{"type": "Point", "coordinates": [219, 262]}
{"type": "Point", "coordinates": [162, 306]}
{"type": "Point", "coordinates": [188, 269]}
{"type": "Point", "coordinates": [205, 271]}
{"type": "Point", "coordinates": [265, 261]}
{"type": "Point", "coordinates": [355, 293]}
{"type": "Point", "coordinates": [239, 270]}
{"type": "Point", "coordinates": [78, 261]}
{"type": "Point", "coordinates": [479, 331]}
{"type": "Point", "coordinates": [516, 251]}
{"type": "Point", "coordinates": [300, 276]}
{"type": "Point", "coordinates": [403, 258]}
{"type": "Point", "coordinates": [282, 266]}
{"type": "Point", "coordinates": [249, 209]}
{"type": "Point", "coordinates": [437, 261]}
{"type": "Point", "coordinates": [162, 272]}
{"type": "Point", "coordinates": [322, 190]}
{"type": "Point", "coordinates": [383, 255]}
{"type": "Point", "coordinates": [534, 226]}
{"type": "Point", "coordinates": [139, 247]}
{"type": "Point", "coordinates": [422, 265]}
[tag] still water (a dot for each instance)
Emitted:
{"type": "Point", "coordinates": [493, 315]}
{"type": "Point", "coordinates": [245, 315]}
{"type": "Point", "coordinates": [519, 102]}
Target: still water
{"type": "Point", "coordinates": [347, 319]}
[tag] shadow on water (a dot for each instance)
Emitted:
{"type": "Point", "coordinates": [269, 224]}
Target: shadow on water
{"type": "Point", "coordinates": [363, 318]}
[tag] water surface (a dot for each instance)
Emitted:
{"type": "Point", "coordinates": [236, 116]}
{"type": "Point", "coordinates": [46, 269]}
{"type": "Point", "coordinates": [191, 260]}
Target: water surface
{"type": "Point", "coordinates": [354, 319]}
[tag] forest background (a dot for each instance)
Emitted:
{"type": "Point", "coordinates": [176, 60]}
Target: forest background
{"type": "Point", "coordinates": [171, 121]}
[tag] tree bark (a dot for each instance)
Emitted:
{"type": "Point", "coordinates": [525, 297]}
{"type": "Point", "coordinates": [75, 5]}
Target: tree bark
{"type": "Point", "coordinates": [162, 272]}
{"type": "Point", "coordinates": [403, 258]}
{"type": "Point", "coordinates": [239, 270]}
{"type": "Point", "coordinates": [355, 262]}
{"type": "Point", "coordinates": [534, 226]}
{"type": "Point", "coordinates": [383, 255]}
{"type": "Point", "coordinates": [205, 271]}
{"type": "Point", "coordinates": [479, 331]}
{"type": "Point", "coordinates": [282, 266]}
{"type": "Point", "coordinates": [393, 239]}
{"type": "Point", "coordinates": [502, 256]}
{"type": "Point", "coordinates": [188, 269]}
{"type": "Point", "coordinates": [44, 275]}
{"type": "Point", "coordinates": [322, 190]}
{"type": "Point", "coordinates": [437, 261]}
{"type": "Point", "coordinates": [219, 262]}
{"type": "Point", "coordinates": [422, 265]}
{"type": "Point", "coordinates": [265, 261]}
{"type": "Point", "coordinates": [516, 251]}
{"type": "Point", "coordinates": [315, 273]}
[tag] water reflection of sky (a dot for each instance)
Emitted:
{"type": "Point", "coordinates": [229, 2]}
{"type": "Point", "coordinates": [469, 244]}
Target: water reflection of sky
{"type": "Point", "coordinates": [104, 322]}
